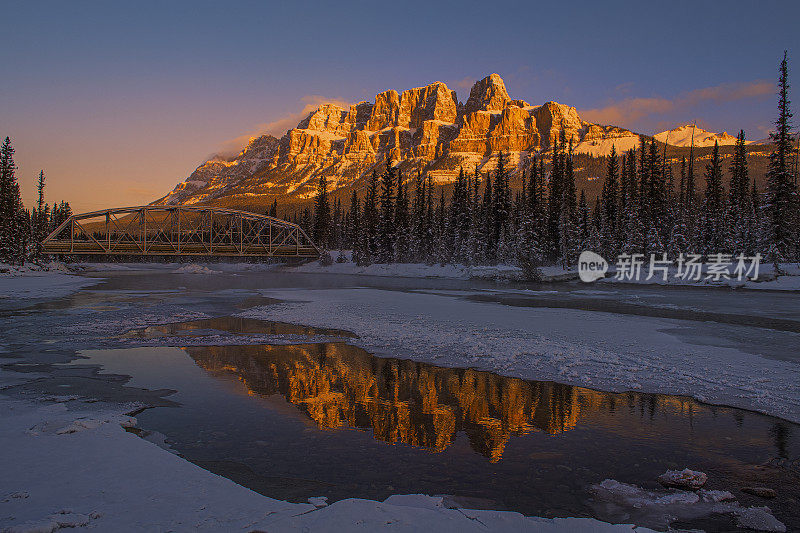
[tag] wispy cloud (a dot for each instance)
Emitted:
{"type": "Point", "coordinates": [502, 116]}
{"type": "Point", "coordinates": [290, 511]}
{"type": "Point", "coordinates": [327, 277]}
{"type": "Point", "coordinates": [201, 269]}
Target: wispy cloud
{"type": "Point", "coordinates": [277, 127]}
{"type": "Point", "coordinates": [629, 110]}
{"type": "Point", "coordinates": [464, 83]}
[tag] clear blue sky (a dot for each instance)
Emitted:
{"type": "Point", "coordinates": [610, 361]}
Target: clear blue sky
{"type": "Point", "coordinates": [119, 101]}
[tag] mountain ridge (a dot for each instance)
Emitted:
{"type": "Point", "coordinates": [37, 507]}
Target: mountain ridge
{"type": "Point", "coordinates": [425, 129]}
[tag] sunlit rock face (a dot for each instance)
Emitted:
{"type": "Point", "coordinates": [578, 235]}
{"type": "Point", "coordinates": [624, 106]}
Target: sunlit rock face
{"type": "Point", "coordinates": [425, 129]}
{"type": "Point", "coordinates": [338, 385]}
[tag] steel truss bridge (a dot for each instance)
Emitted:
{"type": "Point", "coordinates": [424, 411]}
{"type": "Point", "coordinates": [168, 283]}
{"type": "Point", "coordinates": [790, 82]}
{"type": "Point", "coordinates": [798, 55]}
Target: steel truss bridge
{"type": "Point", "coordinates": [179, 230]}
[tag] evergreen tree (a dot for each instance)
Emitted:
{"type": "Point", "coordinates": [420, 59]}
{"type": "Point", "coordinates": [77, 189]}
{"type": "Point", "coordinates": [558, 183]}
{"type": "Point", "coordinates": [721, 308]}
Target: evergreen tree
{"type": "Point", "coordinates": [555, 201]}
{"type": "Point", "coordinates": [477, 235]}
{"type": "Point", "coordinates": [501, 204]}
{"type": "Point", "coordinates": [13, 228]}
{"type": "Point", "coordinates": [781, 195]}
{"type": "Point", "coordinates": [322, 215]}
{"type": "Point", "coordinates": [40, 219]}
{"type": "Point", "coordinates": [418, 211]}
{"type": "Point", "coordinates": [740, 181]}
{"type": "Point", "coordinates": [354, 220]}
{"type": "Point", "coordinates": [568, 228]}
{"type": "Point", "coordinates": [487, 212]}
{"type": "Point", "coordinates": [369, 222]}
{"type": "Point", "coordinates": [739, 228]}
{"type": "Point", "coordinates": [386, 233]}
{"type": "Point", "coordinates": [610, 200]}
{"type": "Point", "coordinates": [336, 225]}
{"type": "Point", "coordinates": [712, 221]}
{"type": "Point", "coordinates": [583, 219]}
{"type": "Point", "coordinates": [402, 224]}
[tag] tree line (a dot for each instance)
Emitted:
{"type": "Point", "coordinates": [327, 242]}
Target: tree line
{"type": "Point", "coordinates": [23, 230]}
{"type": "Point", "coordinates": [643, 208]}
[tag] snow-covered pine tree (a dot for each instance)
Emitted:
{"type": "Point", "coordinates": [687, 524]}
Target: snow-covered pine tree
{"type": "Point", "coordinates": [13, 230]}
{"type": "Point", "coordinates": [354, 221]}
{"type": "Point", "coordinates": [417, 219]}
{"type": "Point", "coordinates": [555, 201]}
{"type": "Point", "coordinates": [610, 192]}
{"type": "Point", "coordinates": [402, 223]}
{"type": "Point", "coordinates": [568, 229]}
{"type": "Point", "coordinates": [40, 219]}
{"type": "Point", "coordinates": [429, 242]}
{"type": "Point", "coordinates": [488, 218]}
{"type": "Point", "coordinates": [713, 212]}
{"type": "Point", "coordinates": [477, 235]}
{"type": "Point", "coordinates": [583, 219]}
{"type": "Point", "coordinates": [501, 203]}
{"type": "Point", "coordinates": [781, 198]}
{"type": "Point", "coordinates": [369, 223]}
{"type": "Point", "coordinates": [386, 234]}
{"type": "Point", "coordinates": [739, 222]}
{"type": "Point", "coordinates": [322, 215]}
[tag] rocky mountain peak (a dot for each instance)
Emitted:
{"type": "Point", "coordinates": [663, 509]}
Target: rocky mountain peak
{"type": "Point", "coordinates": [424, 129]}
{"type": "Point", "coordinates": [488, 94]}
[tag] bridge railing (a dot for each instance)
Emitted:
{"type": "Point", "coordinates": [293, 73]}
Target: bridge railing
{"type": "Point", "coordinates": [179, 230]}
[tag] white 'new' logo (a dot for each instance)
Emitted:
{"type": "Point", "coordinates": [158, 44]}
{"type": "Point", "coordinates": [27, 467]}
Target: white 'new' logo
{"type": "Point", "coordinates": [591, 266]}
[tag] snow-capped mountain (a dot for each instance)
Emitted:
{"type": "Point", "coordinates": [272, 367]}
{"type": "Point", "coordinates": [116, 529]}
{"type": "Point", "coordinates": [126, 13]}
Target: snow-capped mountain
{"type": "Point", "coordinates": [425, 129]}
{"type": "Point", "coordinates": [687, 134]}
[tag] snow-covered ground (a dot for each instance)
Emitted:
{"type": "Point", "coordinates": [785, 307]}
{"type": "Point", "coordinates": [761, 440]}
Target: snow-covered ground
{"type": "Point", "coordinates": [73, 465]}
{"type": "Point", "coordinates": [68, 463]}
{"type": "Point", "coordinates": [600, 350]}
{"type": "Point", "coordinates": [788, 280]}
{"type": "Point", "coordinates": [48, 281]}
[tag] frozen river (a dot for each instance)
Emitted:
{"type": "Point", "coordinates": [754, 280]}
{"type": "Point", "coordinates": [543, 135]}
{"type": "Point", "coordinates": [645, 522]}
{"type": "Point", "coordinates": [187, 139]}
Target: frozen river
{"type": "Point", "coordinates": [517, 397]}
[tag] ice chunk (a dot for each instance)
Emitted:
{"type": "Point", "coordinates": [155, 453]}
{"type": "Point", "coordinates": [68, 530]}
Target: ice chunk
{"type": "Point", "coordinates": [758, 518]}
{"type": "Point", "coordinates": [318, 501]}
{"type": "Point", "coordinates": [683, 479]}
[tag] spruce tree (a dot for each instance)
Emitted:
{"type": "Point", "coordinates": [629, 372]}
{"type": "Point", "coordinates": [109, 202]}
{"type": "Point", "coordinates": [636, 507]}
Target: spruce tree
{"type": "Point", "coordinates": [502, 200]}
{"type": "Point", "coordinates": [402, 224]}
{"type": "Point", "coordinates": [12, 227]}
{"type": "Point", "coordinates": [354, 219]}
{"type": "Point", "coordinates": [40, 218]}
{"type": "Point", "coordinates": [418, 219]}
{"type": "Point", "coordinates": [322, 215]}
{"type": "Point", "coordinates": [712, 218]}
{"type": "Point", "coordinates": [369, 223]}
{"type": "Point", "coordinates": [386, 234]}
{"type": "Point", "coordinates": [610, 191]}
{"type": "Point", "coordinates": [555, 201]}
{"type": "Point", "coordinates": [739, 223]}
{"type": "Point", "coordinates": [781, 205]}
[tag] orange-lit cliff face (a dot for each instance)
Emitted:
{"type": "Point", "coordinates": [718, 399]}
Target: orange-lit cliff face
{"type": "Point", "coordinates": [425, 129]}
{"type": "Point", "coordinates": [339, 385]}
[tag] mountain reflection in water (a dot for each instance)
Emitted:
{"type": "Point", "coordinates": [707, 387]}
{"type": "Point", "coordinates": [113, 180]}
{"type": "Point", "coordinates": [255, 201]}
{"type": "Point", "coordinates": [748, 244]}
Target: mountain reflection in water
{"type": "Point", "coordinates": [339, 385]}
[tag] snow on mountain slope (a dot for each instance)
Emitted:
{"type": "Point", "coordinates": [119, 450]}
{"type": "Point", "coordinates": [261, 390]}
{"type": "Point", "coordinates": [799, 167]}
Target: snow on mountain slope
{"type": "Point", "coordinates": [685, 135]}
{"type": "Point", "coordinates": [425, 129]}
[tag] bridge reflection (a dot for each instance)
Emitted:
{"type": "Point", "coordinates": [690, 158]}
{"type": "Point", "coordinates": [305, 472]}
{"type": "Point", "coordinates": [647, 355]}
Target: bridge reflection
{"type": "Point", "coordinates": [339, 386]}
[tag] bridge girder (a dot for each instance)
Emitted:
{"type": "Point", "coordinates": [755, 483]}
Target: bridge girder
{"type": "Point", "coordinates": [179, 231]}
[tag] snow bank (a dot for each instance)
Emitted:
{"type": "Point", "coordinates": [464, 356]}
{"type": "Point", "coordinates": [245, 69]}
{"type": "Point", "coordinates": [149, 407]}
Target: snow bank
{"type": "Point", "coordinates": [102, 477]}
{"type": "Point", "coordinates": [660, 508]}
{"type": "Point", "coordinates": [52, 280]}
{"type": "Point", "coordinates": [193, 268]}
{"type": "Point", "coordinates": [584, 348]}
{"type": "Point", "coordinates": [788, 279]}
